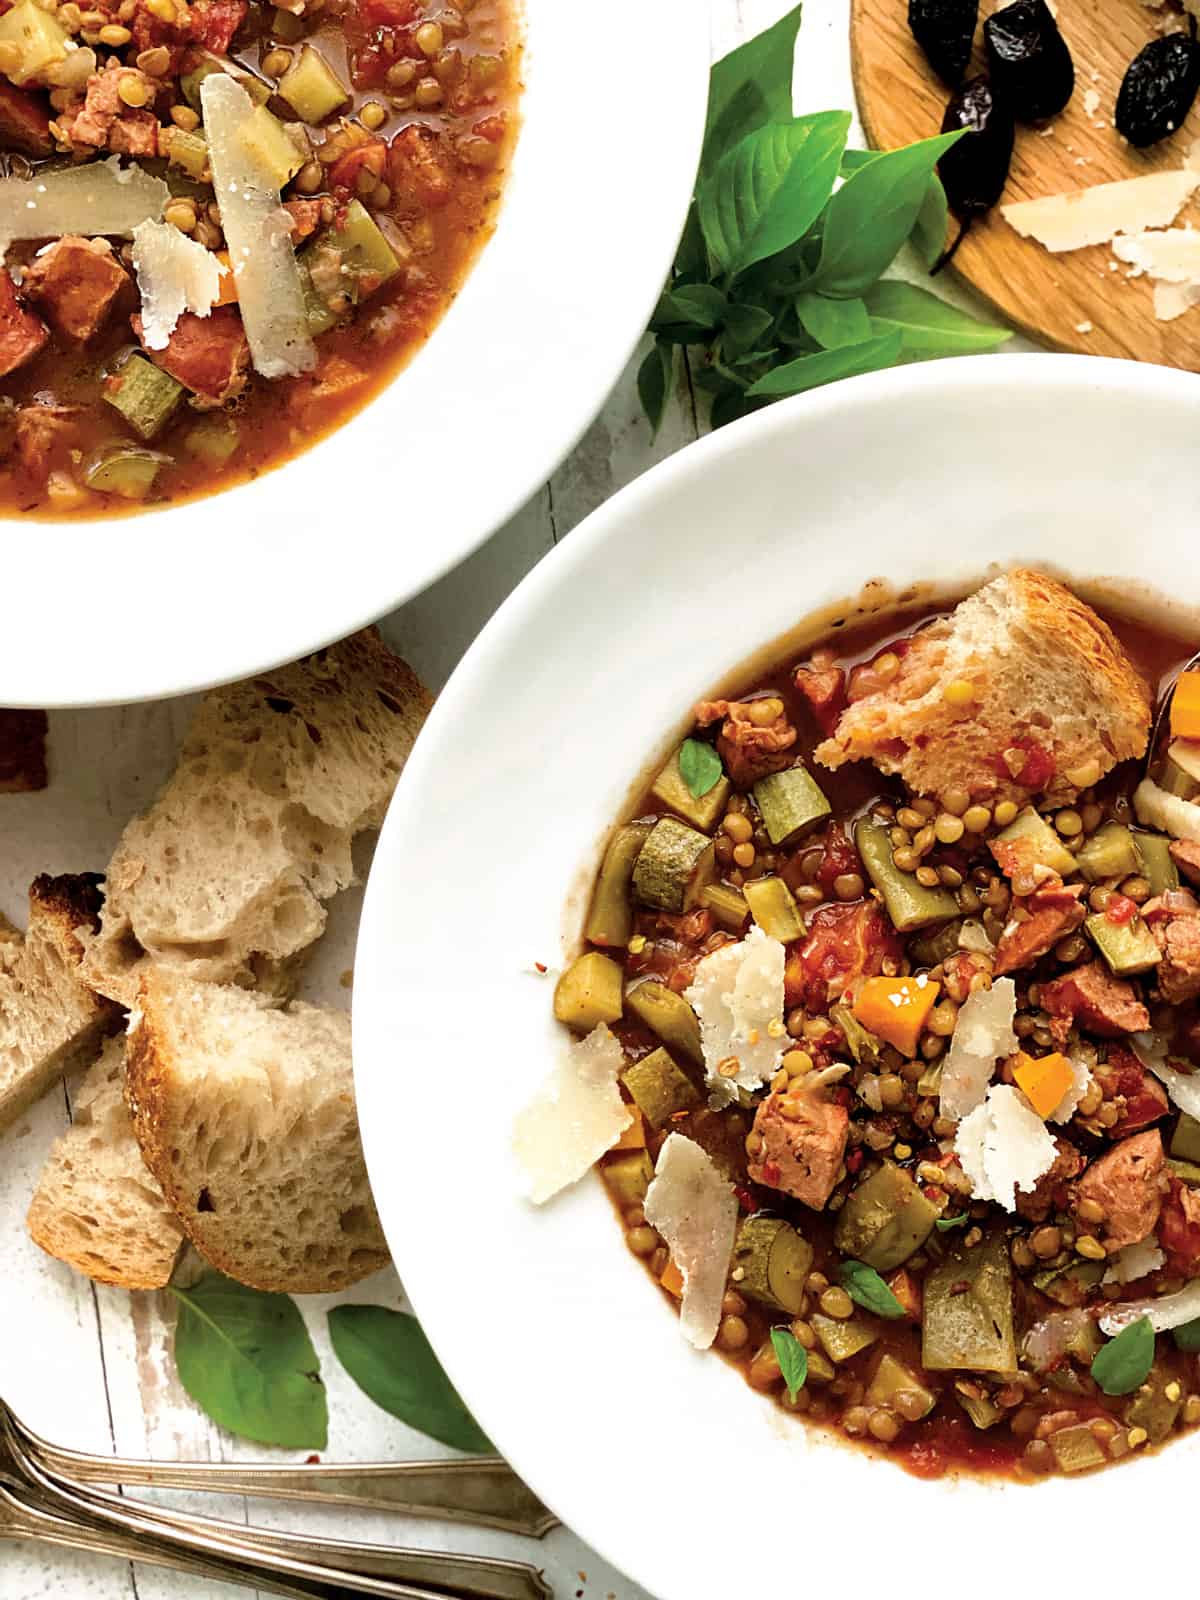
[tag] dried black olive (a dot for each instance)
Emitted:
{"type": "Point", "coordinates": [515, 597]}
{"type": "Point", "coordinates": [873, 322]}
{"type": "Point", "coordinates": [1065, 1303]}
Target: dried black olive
{"type": "Point", "coordinates": [1158, 88]}
{"type": "Point", "coordinates": [974, 171]}
{"type": "Point", "coordinates": [945, 30]}
{"type": "Point", "coordinates": [1028, 60]}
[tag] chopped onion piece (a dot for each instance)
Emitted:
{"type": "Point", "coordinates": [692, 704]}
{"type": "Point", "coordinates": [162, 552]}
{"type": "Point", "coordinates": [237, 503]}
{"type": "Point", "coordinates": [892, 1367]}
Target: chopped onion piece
{"type": "Point", "coordinates": [1134, 1261]}
{"type": "Point", "coordinates": [1167, 812]}
{"type": "Point", "coordinates": [696, 1211]}
{"type": "Point", "coordinates": [101, 197]}
{"type": "Point", "coordinates": [1166, 1312]}
{"type": "Point", "coordinates": [574, 1118]}
{"type": "Point", "coordinates": [174, 274]}
{"type": "Point", "coordinates": [1046, 1342]}
{"type": "Point", "coordinates": [1183, 1087]}
{"type": "Point", "coordinates": [1003, 1146]}
{"type": "Point", "coordinates": [737, 993]}
{"type": "Point", "coordinates": [983, 1035]}
{"type": "Point", "coordinates": [258, 236]}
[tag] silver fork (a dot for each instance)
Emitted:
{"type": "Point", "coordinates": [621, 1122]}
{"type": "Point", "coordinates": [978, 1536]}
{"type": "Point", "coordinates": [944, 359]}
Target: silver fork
{"type": "Point", "coordinates": [480, 1489]}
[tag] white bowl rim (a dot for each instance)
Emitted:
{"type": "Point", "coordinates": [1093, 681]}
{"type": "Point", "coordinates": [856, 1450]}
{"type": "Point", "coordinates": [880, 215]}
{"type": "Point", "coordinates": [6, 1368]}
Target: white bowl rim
{"type": "Point", "coordinates": [543, 1442]}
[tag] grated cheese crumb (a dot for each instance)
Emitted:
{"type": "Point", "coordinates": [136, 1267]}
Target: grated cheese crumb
{"type": "Point", "coordinates": [574, 1118]}
{"type": "Point", "coordinates": [696, 1211]}
{"type": "Point", "coordinates": [1083, 327]}
{"type": "Point", "coordinates": [1003, 1146]}
{"type": "Point", "coordinates": [737, 993]}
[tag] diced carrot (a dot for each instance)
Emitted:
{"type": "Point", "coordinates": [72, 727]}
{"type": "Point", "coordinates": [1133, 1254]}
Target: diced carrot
{"type": "Point", "coordinates": [896, 1009]}
{"type": "Point", "coordinates": [228, 295]}
{"type": "Point", "coordinates": [1044, 1082]}
{"type": "Point", "coordinates": [1185, 706]}
{"type": "Point", "coordinates": [634, 1137]}
{"type": "Point", "coordinates": [672, 1280]}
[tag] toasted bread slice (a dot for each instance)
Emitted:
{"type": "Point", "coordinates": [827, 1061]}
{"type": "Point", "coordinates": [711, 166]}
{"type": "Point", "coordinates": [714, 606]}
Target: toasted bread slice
{"type": "Point", "coordinates": [245, 1115]}
{"type": "Point", "coordinates": [50, 1021]}
{"type": "Point", "coordinates": [223, 878]}
{"type": "Point", "coordinates": [1054, 702]}
{"type": "Point", "coordinates": [96, 1206]}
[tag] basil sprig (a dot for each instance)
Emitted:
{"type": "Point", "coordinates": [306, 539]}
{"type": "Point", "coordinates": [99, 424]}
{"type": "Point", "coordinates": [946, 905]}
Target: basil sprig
{"type": "Point", "coordinates": [778, 282]}
{"type": "Point", "coordinates": [867, 1289]}
{"type": "Point", "coordinates": [1123, 1364]}
{"type": "Point", "coordinates": [699, 767]}
{"type": "Point", "coordinates": [792, 1358]}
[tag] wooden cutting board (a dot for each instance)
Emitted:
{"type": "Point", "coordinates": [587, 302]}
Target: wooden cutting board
{"type": "Point", "coordinates": [1072, 301]}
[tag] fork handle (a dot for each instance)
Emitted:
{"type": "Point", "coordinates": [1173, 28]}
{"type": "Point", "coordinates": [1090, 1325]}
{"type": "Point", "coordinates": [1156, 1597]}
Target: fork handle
{"type": "Point", "coordinates": [479, 1490]}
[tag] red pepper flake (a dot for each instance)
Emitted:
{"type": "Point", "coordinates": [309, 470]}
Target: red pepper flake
{"type": "Point", "coordinates": [541, 966]}
{"type": "Point", "coordinates": [854, 1160]}
{"type": "Point", "coordinates": [746, 1200]}
{"type": "Point", "coordinates": [312, 1461]}
{"type": "Point", "coordinates": [1120, 908]}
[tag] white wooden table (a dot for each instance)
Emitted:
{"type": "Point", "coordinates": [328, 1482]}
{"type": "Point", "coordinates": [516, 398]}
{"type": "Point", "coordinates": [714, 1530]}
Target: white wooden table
{"type": "Point", "coordinates": [92, 1367]}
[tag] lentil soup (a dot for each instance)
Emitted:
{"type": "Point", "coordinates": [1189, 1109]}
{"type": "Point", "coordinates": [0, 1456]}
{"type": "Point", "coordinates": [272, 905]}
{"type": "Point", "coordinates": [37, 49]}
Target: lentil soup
{"type": "Point", "coordinates": [936, 1185]}
{"type": "Point", "coordinates": [159, 339]}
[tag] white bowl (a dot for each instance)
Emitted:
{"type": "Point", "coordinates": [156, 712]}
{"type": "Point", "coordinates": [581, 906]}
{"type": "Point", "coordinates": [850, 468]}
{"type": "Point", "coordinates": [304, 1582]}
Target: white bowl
{"type": "Point", "coordinates": [178, 599]}
{"type": "Point", "coordinates": [662, 1459]}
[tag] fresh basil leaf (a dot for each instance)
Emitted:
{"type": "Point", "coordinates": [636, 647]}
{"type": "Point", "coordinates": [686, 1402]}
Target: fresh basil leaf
{"type": "Point", "coordinates": [928, 326]}
{"type": "Point", "coordinates": [867, 1289]}
{"type": "Point", "coordinates": [699, 306]}
{"type": "Point", "coordinates": [393, 1363]}
{"type": "Point", "coordinates": [699, 767]}
{"type": "Point", "coordinates": [246, 1359]}
{"type": "Point", "coordinates": [690, 257]}
{"type": "Point", "coordinates": [728, 405]}
{"type": "Point", "coordinates": [811, 371]}
{"type": "Point", "coordinates": [944, 1224]}
{"type": "Point", "coordinates": [653, 381]}
{"type": "Point", "coordinates": [928, 237]}
{"type": "Point", "coordinates": [792, 1358]}
{"type": "Point", "coordinates": [770, 188]}
{"type": "Point", "coordinates": [749, 87]}
{"type": "Point", "coordinates": [1187, 1336]}
{"type": "Point", "coordinates": [853, 159]}
{"type": "Point", "coordinates": [873, 213]}
{"type": "Point", "coordinates": [833, 322]}
{"type": "Point", "coordinates": [1123, 1364]}
{"type": "Point", "coordinates": [744, 327]}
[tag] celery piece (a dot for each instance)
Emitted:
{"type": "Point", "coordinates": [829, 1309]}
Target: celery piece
{"type": "Point", "coordinates": [214, 440]}
{"type": "Point", "coordinates": [144, 394]}
{"type": "Point", "coordinates": [1039, 844]}
{"type": "Point", "coordinates": [127, 470]}
{"type": "Point", "coordinates": [1127, 947]}
{"type": "Point", "coordinates": [320, 316]}
{"type": "Point", "coordinates": [311, 87]}
{"type": "Point", "coordinates": [893, 1378]}
{"type": "Point", "coordinates": [909, 903]}
{"type": "Point", "coordinates": [37, 34]}
{"type": "Point", "coordinates": [967, 1311]}
{"type": "Point", "coordinates": [1154, 853]}
{"type": "Point", "coordinates": [365, 249]}
{"type": "Point", "coordinates": [885, 1219]}
{"type": "Point", "coordinates": [727, 905]}
{"type": "Point", "coordinates": [1111, 852]}
{"type": "Point", "coordinates": [271, 146]}
{"type": "Point", "coordinates": [1076, 1449]}
{"type": "Point", "coordinates": [610, 915]}
{"type": "Point", "coordinates": [188, 152]}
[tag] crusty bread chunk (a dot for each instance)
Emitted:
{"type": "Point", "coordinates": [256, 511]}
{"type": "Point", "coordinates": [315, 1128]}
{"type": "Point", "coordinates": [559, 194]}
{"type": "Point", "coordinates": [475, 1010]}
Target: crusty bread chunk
{"type": "Point", "coordinates": [1054, 701]}
{"type": "Point", "coordinates": [245, 1115]}
{"type": "Point", "coordinates": [50, 1021]}
{"type": "Point", "coordinates": [96, 1206]}
{"type": "Point", "coordinates": [223, 878]}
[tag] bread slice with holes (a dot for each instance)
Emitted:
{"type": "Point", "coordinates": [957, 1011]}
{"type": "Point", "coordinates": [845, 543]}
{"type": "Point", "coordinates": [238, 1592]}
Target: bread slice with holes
{"type": "Point", "coordinates": [1054, 702]}
{"type": "Point", "coordinates": [245, 1115]}
{"type": "Point", "coordinates": [223, 878]}
{"type": "Point", "coordinates": [96, 1206]}
{"type": "Point", "coordinates": [50, 1020]}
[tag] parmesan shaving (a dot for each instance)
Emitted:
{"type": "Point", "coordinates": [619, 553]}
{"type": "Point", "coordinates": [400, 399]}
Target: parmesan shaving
{"type": "Point", "coordinates": [696, 1211]}
{"type": "Point", "coordinates": [101, 197]}
{"type": "Point", "coordinates": [1171, 255]}
{"type": "Point", "coordinates": [1183, 1087]}
{"type": "Point", "coordinates": [1166, 1312]}
{"type": "Point", "coordinates": [1081, 1077]}
{"type": "Point", "coordinates": [737, 993]}
{"type": "Point", "coordinates": [983, 1035]}
{"type": "Point", "coordinates": [574, 1118]}
{"type": "Point", "coordinates": [1166, 812]}
{"type": "Point", "coordinates": [258, 237]}
{"type": "Point", "coordinates": [174, 274]}
{"type": "Point", "coordinates": [1096, 215]}
{"type": "Point", "coordinates": [1171, 300]}
{"type": "Point", "coordinates": [1003, 1146]}
{"type": "Point", "coordinates": [1134, 1261]}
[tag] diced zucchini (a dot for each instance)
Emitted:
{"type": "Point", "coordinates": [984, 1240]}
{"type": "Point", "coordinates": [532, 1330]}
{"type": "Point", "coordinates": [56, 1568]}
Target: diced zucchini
{"type": "Point", "coordinates": [38, 35]}
{"type": "Point", "coordinates": [1186, 1171]}
{"type": "Point", "coordinates": [1152, 1408]}
{"type": "Point", "coordinates": [673, 792]}
{"type": "Point", "coordinates": [628, 1176]}
{"type": "Point", "coordinates": [271, 147]}
{"type": "Point", "coordinates": [1111, 852]}
{"type": "Point", "coordinates": [774, 909]}
{"type": "Point", "coordinates": [774, 1262]}
{"type": "Point", "coordinates": [932, 948]}
{"type": "Point", "coordinates": [213, 440]}
{"type": "Point", "coordinates": [1039, 844]}
{"type": "Point", "coordinates": [892, 1378]}
{"type": "Point", "coordinates": [885, 1219]}
{"type": "Point", "coordinates": [1159, 871]}
{"type": "Point", "coordinates": [909, 904]}
{"type": "Point", "coordinates": [311, 87]}
{"type": "Point", "coordinates": [363, 246]}
{"type": "Point", "coordinates": [1076, 1449]}
{"type": "Point", "coordinates": [659, 1089]}
{"type": "Point", "coordinates": [1127, 947]}
{"type": "Point", "coordinates": [978, 1407]}
{"type": "Point", "coordinates": [790, 804]}
{"type": "Point", "coordinates": [967, 1313]}
{"type": "Point", "coordinates": [673, 867]}
{"type": "Point", "coordinates": [841, 1339]}
{"type": "Point", "coordinates": [1185, 1141]}
{"type": "Point", "coordinates": [861, 1042]}
{"type": "Point", "coordinates": [191, 80]}
{"type": "Point", "coordinates": [188, 152]}
{"type": "Point", "coordinates": [127, 470]}
{"type": "Point", "coordinates": [589, 992]}
{"type": "Point", "coordinates": [610, 915]}
{"type": "Point", "coordinates": [145, 395]}
{"type": "Point", "coordinates": [727, 905]}
{"type": "Point", "coordinates": [669, 1016]}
